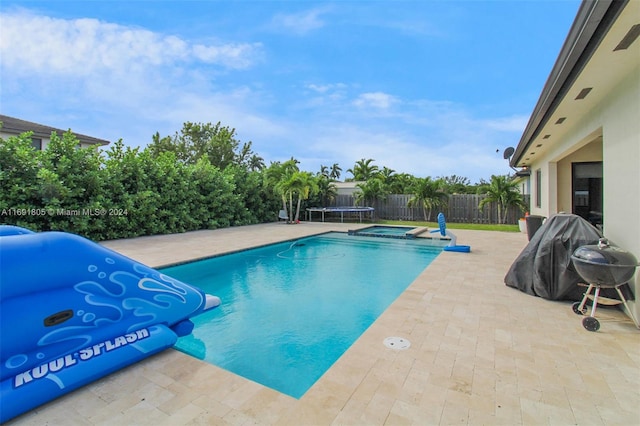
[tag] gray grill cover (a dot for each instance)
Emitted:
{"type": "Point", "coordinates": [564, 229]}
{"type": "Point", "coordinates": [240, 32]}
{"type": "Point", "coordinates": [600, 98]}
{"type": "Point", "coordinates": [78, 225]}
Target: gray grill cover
{"type": "Point", "coordinates": [544, 266]}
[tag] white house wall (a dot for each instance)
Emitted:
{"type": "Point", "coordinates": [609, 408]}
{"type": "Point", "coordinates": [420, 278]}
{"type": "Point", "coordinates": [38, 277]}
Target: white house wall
{"type": "Point", "coordinates": [621, 155]}
{"type": "Point", "coordinates": [621, 136]}
{"type": "Point", "coordinates": [617, 118]}
{"type": "Point", "coordinates": [549, 193]}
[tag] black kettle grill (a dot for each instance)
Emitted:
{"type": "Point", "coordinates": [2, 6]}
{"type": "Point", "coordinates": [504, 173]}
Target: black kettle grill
{"type": "Point", "coordinates": [602, 266]}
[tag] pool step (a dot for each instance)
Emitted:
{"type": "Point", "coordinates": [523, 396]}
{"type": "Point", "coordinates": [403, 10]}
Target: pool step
{"type": "Point", "coordinates": [417, 231]}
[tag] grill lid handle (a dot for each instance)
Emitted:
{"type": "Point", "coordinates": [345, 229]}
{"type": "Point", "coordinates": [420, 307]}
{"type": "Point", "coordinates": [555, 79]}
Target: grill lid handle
{"type": "Point", "coordinates": [603, 243]}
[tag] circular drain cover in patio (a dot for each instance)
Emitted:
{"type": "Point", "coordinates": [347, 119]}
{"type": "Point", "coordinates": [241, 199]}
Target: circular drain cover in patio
{"type": "Point", "coordinates": [398, 343]}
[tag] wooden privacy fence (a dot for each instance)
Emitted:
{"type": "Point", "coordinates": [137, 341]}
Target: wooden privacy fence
{"type": "Point", "coordinates": [460, 208]}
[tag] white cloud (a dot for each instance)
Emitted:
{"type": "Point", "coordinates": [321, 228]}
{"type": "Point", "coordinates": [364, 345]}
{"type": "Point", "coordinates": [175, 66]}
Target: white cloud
{"type": "Point", "coordinates": [230, 55]}
{"type": "Point", "coordinates": [128, 82]}
{"type": "Point", "coordinates": [324, 88]}
{"type": "Point", "coordinates": [322, 96]}
{"type": "Point", "coordinates": [421, 137]}
{"type": "Point", "coordinates": [299, 23]}
{"type": "Point", "coordinates": [86, 46]}
{"type": "Point", "coordinates": [376, 100]}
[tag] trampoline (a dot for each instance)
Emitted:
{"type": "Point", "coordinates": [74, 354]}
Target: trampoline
{"type": "Point", "coordinates": [342, 211]}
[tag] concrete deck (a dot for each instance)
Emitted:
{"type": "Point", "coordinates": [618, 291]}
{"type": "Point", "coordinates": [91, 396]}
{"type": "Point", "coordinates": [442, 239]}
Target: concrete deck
{"type": "Point", "coordinates": [481, 354]}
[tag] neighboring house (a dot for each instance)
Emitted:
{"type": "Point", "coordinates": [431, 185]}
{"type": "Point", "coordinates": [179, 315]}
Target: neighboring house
{"type": "Point", "coordinates": [41, 134]}
{"type": "Point", "coordinates": [347, 188]}
{"type": "Point", "coordinates": [521, 177]}
{"type": "Point", "coordinates": [582, 142]}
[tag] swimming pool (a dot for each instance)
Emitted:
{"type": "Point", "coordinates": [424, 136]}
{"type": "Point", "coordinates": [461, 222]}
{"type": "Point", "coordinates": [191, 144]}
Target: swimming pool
{"type": "Point", "coordinates": [290, 310]}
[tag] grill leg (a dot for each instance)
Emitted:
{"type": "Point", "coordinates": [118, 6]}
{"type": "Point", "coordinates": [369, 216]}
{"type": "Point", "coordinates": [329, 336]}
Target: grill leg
{"type": "Point", "coordinates": [585, 297]}
{"type": "Point", "coordinates": [595, 301]}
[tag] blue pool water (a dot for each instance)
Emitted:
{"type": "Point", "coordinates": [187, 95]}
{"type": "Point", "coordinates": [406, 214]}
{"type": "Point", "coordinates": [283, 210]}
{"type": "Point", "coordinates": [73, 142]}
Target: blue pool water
{"type": "Point", "coordinates": [290, 310]}
{"type": "Point", "coordinates": [384, 231]}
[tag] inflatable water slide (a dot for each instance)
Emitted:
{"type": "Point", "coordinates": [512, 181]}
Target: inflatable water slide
{"type": "Point", "coordinates": [72, 311]}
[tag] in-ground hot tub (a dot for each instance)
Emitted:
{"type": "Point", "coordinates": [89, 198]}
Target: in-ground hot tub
{"type": "Point", "coordinates": [389, 231]}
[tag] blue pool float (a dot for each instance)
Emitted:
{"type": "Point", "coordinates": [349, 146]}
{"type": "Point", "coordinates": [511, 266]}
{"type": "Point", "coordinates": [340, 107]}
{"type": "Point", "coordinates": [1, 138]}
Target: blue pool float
{"type": "Point", "coordinates": [452, 246]}
{"type": "Point", "coordinates": [72, 311]}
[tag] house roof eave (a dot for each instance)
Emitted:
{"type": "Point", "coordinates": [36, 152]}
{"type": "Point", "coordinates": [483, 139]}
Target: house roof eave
{"type": "Point", "coordinates": [592, 22]}
{"type": "Point", "coordinates": [16, 126]}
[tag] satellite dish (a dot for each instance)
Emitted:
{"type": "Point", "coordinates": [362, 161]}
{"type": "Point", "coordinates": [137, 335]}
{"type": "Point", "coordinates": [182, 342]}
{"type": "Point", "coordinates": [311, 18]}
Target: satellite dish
{"type": "Point", "coordinates": [508, 153]}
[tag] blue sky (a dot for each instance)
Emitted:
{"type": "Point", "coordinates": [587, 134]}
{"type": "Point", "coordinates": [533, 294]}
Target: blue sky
{"type": "Point", "coordinates": [430, 88]}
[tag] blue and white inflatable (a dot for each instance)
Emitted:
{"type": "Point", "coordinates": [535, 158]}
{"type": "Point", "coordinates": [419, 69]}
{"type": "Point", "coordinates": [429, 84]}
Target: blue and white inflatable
{"type": "Point", "coordinates": [72, 311]}
{"type": "Point", "coordinates": [452, 246]}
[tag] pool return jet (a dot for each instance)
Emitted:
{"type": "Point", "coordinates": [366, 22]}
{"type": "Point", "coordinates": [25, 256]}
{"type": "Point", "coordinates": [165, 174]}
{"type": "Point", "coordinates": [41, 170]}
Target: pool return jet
{"type": "Point", "coordinates": [442, 225]}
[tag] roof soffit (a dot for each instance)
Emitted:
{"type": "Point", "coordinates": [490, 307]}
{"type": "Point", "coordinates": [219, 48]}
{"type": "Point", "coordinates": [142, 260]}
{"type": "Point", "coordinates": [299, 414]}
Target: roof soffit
{"type": "Point", "coordinates": [587, 59]}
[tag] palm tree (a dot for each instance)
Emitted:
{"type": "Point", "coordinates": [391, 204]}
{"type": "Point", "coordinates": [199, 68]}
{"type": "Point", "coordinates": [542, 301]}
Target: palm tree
{"type": "Point", "coordinates": [400, 183]}
{"type": "Point", "coordinates": [277, 174]}
{"type": "Point", "coordinates": [286, 187]}
{"type": "Point", "coordinates": [327, 189]}
{"type": "Point", "coordinates": [503, 191]}
{"type": "Point", "coordinates": [335, 171]}
{"type": "Point", "coordinates": [387, 174]}
{"type": "Point", "coordinates": [306, 185]}
{"type": "Point", "coordinates": [370, 191]}
{"type": "Point", "coordinates": [298, 185]}
{"type": "Point", "coordinates": [363, 170]}
{"type": "Point", "coordinates": [255, 163]}
{"type": "Point", "coordinates": [429, 193]}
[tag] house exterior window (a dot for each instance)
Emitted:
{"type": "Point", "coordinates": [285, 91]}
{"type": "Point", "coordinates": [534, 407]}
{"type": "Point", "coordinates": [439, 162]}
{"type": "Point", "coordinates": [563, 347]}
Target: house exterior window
{"type": "Point", "coordinates": [538, 188]}
{"type": "Point", "coordinates": [36, 143]}
{"type": "Point", "coordinates": [587, 188]}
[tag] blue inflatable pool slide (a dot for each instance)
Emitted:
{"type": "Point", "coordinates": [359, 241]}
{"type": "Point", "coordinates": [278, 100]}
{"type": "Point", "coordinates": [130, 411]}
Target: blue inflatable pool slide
{"type": "Point", "coordinates": [73, 311]}
{"type": "Point", "coordinates": [452, 246]}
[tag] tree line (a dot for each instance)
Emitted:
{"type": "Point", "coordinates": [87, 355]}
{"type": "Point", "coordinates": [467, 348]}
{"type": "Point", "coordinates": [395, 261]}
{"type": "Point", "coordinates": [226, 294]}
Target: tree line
{"type": "Point", "coordinates": [126, 192]}
{"type": "Point", "coordinates": [201, 177]}
{"type": "Point", "coordinates": [375, 184]}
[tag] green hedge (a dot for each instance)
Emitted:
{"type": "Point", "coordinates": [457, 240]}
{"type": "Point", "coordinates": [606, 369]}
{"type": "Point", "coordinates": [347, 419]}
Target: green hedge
{"type": "Point", "coordinates": [124, 192]}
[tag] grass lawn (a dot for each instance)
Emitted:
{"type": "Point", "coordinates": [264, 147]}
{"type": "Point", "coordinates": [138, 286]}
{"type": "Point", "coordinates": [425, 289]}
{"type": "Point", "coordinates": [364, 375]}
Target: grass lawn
{"type": "Point", "coordinates": [475, 226]}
